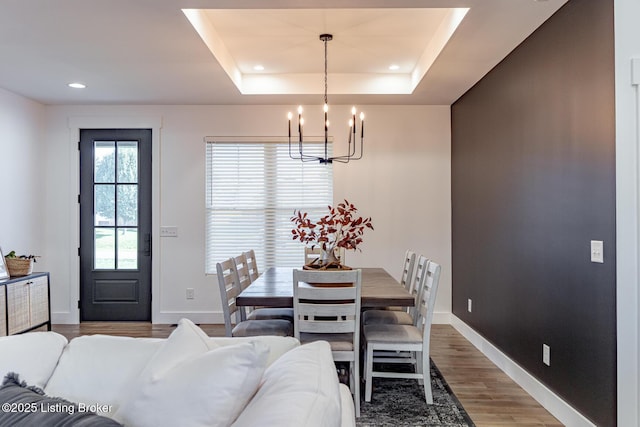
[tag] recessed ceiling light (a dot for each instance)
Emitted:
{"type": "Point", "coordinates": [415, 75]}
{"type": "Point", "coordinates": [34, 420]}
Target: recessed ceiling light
{"type": "Point", "coordinates": [258, 67]}
{"type": "Point", "coordinates": [77, 85]}
{"type": "Point", "coordinates": [394, 67]}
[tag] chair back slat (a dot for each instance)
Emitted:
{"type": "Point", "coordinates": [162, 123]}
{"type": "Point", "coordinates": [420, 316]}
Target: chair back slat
{"type": "Point", "coordinates": [326, 327]}
{"type": "Point", "coordinates": [327, 310]}
{"type": "Point", "coordinates": [306, 291]}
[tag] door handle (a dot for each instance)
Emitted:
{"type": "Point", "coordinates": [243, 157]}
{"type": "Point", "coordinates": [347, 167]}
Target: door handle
{"type": "Point", "coordinates": [147, 244]}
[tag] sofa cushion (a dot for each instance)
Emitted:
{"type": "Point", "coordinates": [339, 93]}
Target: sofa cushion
{"type": "Point", "coordinates": [98, 368]}
{"type": "Point", "coordinates": [33, 355]}
{"type": "Point", "coordinates": [300, 388]}
{"type": "Point", "coordinates": [24, 405]}
{"type": "Point", "coordinates": [210, 389]}
{"type": "Point", "coordinates": [277, 345]}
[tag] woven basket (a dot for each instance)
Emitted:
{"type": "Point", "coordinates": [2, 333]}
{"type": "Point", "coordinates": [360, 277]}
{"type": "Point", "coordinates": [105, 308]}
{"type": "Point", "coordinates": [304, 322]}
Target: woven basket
{"type": "Point", "coordinates": [19, 266]}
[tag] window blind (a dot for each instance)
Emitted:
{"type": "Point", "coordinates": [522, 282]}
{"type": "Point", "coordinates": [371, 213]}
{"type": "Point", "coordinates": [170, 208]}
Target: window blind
{"type": "Point", "coordinates": [252, 190]}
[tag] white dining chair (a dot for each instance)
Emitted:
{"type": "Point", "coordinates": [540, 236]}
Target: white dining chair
{"type": "Point", "coordinates": [229, 285]}
{"type": "Point", "coordinates": [409, 315]}
{"type": "Point", "coordinates": [327, 307]}
{"type": "Point", "coordinates": [241, 266]}
{"type": "Point", "coordinates": [389, 339]}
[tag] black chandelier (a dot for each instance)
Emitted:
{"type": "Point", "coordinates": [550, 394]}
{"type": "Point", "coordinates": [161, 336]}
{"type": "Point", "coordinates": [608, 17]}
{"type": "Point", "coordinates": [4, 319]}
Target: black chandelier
{"type": "Point", "coordinates": [352, 150]}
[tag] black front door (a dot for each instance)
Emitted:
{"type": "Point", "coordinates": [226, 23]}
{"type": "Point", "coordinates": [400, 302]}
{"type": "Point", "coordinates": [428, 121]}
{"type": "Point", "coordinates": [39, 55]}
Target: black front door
{"type": "Point", "coordinates": [115, 224]}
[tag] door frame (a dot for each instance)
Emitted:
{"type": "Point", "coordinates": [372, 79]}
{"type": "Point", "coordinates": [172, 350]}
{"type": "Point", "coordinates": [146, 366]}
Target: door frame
{"type": "Point", "coordinates": [109, 122]}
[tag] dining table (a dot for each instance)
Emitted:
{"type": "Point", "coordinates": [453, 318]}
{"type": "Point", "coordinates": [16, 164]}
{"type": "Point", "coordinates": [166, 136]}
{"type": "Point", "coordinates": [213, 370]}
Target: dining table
{"type": "Point", "coordinates": [274, 288]}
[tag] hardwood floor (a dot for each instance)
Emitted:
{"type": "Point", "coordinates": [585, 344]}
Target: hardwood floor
{"type": "Point", "coordinates": [490, 397]}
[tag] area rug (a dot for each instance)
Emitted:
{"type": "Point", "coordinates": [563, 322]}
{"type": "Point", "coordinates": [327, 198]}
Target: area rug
{"type": "Point", "coordinates": [400, 402]}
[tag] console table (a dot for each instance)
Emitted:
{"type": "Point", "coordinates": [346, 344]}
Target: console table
{"type": "Point", "coordinates": [24, 304]}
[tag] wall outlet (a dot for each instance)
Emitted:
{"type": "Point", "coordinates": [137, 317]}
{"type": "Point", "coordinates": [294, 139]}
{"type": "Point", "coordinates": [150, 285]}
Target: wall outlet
{"type": "Point", "coordinates": [469, 305]}
{"type": "Point", "coordinates": [191, 293]}
{"type": "Point", "coordinates": [546, 354]}
{"type": "Point", "coordinates": [597, 251]}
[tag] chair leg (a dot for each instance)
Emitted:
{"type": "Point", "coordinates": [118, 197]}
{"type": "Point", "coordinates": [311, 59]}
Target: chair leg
{"type": "Point", "coordinates": [355, 368]}
{"type": "Point", "coordinates": [368, 373]}
{"type": "Point", "coordinates": [419, 366]}
{"type": "Point", "coordinates": [426, 376]}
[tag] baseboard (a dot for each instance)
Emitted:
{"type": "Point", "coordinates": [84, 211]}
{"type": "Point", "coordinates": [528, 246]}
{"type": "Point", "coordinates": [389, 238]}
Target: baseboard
{"type": "Point", "coordinates": [169, 318]}
{"type": "Point", "coordinates": [64, 318]}
{"type": "Point", "coordinates": [441, 318]}
{"type": "Point", "coordinates": [199, 317]}
{"type": "Point", "coordinates": [553, 403]}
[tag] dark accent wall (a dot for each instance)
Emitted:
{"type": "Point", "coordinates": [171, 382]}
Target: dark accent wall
{"type": "Point", "coordinates": [533, 182]}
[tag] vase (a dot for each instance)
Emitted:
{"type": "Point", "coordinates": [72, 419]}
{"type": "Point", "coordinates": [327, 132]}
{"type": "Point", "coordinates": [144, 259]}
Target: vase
{"type": "Point", "coordinates": [329, 257]}
{"type": "Point", "coordinates": [327, 261]}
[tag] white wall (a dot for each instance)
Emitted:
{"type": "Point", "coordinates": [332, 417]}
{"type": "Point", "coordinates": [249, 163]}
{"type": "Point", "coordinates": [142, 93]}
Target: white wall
{"type": "Point", "coordinates": [21, 175]}
{"type": "Point", "coordinates": [627, 48]}
{"type": "Point", "coordinates": [403, 183]}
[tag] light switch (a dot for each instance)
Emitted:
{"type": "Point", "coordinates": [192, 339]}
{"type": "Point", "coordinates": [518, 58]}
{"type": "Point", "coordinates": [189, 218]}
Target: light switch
{"type": "Point", "coordinates": [597, 251]}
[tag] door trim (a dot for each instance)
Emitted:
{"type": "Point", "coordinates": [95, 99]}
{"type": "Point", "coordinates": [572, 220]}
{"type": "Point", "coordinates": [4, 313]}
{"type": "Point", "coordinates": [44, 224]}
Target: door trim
{"type": "Point", "coordinates": [72, 315]}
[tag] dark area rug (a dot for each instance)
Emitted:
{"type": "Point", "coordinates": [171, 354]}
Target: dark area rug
{"type": "Point", "coordinates": [400, 402]}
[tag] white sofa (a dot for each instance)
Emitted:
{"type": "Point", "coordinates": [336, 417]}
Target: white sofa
{"type": "Point", "coordinates": [188, 379]}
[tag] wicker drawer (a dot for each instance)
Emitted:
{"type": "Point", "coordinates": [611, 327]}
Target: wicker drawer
{"type": "Point", "coordinates": [3, 311]}
{"type": "Point", "coordinates": [39, 301]}
{"type": "Point", "coordinates": [24, 304]}
{"type": "Point", "coordinates": [18, 306]}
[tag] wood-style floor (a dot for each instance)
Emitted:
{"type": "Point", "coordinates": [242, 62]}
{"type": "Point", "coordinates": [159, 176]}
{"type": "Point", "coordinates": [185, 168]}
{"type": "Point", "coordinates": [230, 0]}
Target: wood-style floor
{"type": "Point", "coordinates": [490, 397]}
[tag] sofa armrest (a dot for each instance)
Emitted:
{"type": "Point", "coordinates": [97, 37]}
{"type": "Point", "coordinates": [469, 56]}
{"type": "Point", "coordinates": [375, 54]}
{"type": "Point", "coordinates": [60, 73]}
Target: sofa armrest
{"type": "Point", "coordinates": [348, 410]}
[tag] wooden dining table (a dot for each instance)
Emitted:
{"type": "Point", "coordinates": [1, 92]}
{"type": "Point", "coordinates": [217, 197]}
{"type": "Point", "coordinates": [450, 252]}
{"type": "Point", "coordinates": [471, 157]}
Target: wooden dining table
{"type": "Point", "coordinates": [274, 288]}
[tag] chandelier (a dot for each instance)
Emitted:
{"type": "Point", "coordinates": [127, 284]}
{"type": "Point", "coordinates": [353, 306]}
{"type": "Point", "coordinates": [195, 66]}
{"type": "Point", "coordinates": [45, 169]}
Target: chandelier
{"type": "Point", "coordinates": [353, 153]}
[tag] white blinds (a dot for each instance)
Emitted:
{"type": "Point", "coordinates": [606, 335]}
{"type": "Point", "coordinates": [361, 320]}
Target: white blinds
{"type": "Point", "coordinates": [252, 190]}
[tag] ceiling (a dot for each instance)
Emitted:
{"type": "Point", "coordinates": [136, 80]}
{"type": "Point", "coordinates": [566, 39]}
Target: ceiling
{"type": "Point", "coordinates": [148, 51]}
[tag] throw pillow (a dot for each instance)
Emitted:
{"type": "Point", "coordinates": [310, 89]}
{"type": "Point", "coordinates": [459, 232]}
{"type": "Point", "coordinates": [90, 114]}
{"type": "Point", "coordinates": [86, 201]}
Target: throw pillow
{"type": "Point", "coordinates": [185, 342]}
{"type": "Point", "coordinates": [210, 389]}
{"type": "Point", "coordinates": [22, 405]}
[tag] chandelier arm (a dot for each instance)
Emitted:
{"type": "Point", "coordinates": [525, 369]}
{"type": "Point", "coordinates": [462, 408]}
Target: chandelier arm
{"type": "Point", "coordinates": [290, 153]}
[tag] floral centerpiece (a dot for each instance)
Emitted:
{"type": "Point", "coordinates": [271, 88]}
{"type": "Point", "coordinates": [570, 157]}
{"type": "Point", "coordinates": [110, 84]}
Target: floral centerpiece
{"type": "Point", "coordinates": [340, 228]}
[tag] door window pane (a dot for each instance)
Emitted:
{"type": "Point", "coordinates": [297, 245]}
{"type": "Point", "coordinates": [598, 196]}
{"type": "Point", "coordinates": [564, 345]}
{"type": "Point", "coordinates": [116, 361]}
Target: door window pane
{"type": "Point", "coordinates": [128, 205]}
{"type": "Point", "coordinates": [104, 161]}
{"type": "Point", "coordinates": [128, 161]}
{"type": "Point", "coordinates": [104, 244]}
{"type": "Point", "coordinates": [104, 204]}
{"type": "Point", "coordinates": [127, 248]}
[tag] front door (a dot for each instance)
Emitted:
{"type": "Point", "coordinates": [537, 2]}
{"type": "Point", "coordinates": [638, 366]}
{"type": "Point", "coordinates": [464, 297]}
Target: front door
{"type": "Point", "coordinates": [115, 224]}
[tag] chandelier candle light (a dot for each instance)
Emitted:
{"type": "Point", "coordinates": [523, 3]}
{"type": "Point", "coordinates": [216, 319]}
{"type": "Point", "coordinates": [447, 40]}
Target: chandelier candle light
{"type": "Point", "coordinates": [352, 152]}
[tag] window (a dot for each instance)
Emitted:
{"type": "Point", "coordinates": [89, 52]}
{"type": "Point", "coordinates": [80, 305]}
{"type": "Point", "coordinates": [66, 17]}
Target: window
{"type": "Point", "coordinates": [252, 190]}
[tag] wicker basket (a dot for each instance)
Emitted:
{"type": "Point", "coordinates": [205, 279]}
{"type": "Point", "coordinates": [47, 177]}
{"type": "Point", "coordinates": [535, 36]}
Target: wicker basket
{"type": "Point", "coordinates": [19, 266]}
